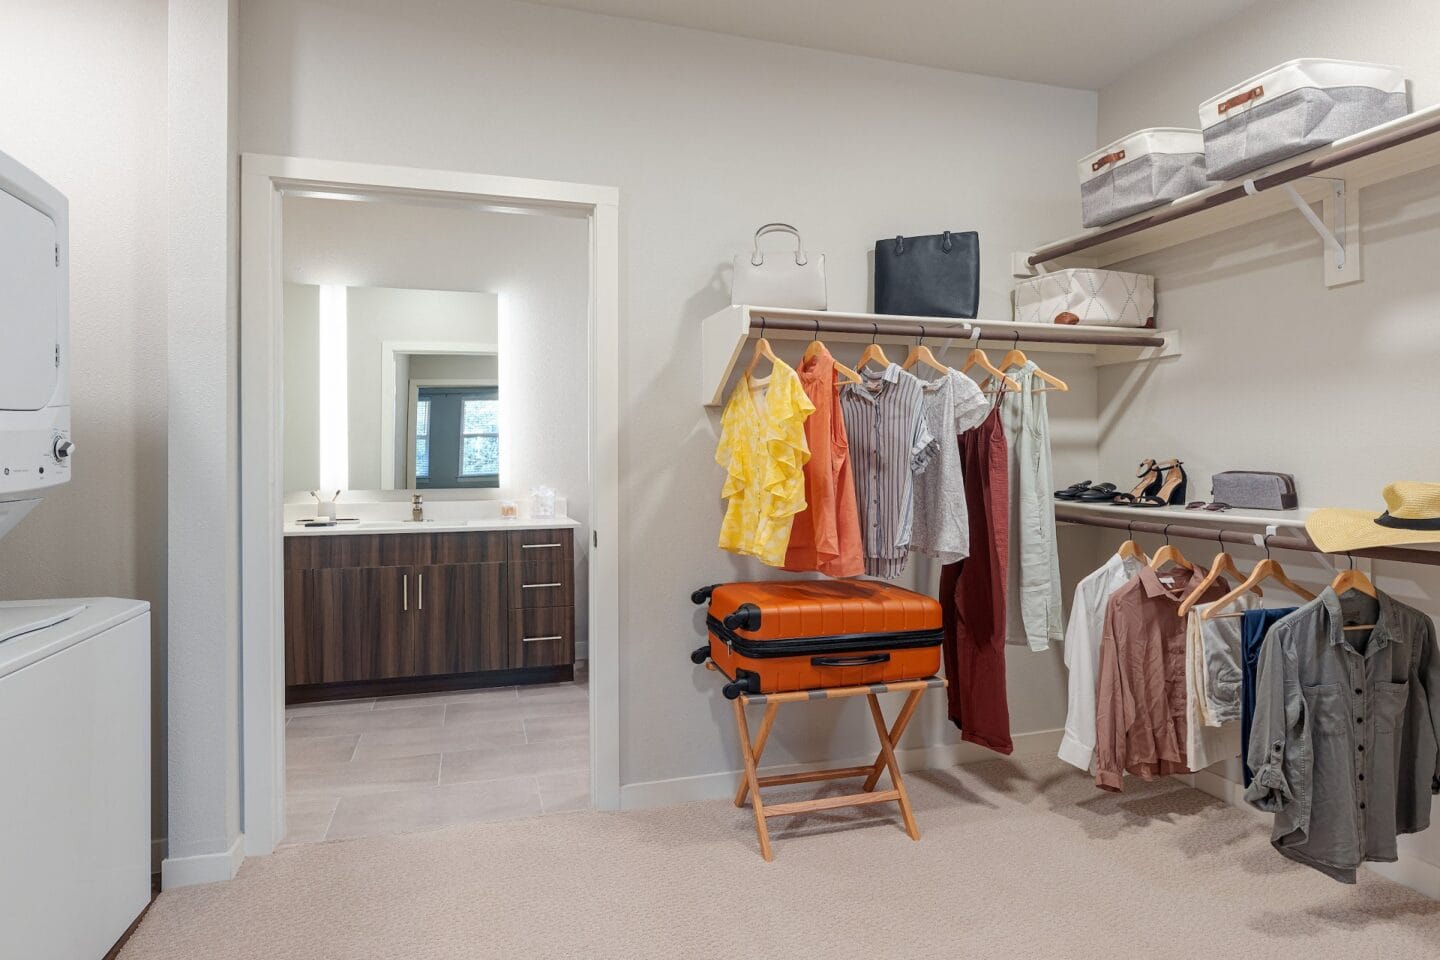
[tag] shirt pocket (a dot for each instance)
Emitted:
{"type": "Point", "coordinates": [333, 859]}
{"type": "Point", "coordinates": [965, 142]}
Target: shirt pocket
{"type": "Point", "coordinates": [1390, 700]}
{"type": "Point", "coordinates": [1326, 707]}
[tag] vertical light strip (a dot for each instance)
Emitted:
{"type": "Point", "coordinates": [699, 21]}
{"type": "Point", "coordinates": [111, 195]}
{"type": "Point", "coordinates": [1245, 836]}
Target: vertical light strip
{"type": "Point", "coordinates": [334, 390]}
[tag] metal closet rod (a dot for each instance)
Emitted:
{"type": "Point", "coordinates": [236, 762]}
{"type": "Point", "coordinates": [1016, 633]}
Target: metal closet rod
{"type": "Point", "coordinates": [948, 332]}
{"type": "Point", "coordinates": [1188, 532]}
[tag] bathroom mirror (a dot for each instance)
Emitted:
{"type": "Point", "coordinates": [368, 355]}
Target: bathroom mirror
{"type": "Point", "coordinates": [390, 389]}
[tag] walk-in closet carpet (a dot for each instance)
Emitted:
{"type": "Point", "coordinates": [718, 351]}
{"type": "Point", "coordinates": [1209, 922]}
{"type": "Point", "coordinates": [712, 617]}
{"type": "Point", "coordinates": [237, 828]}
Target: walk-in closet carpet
{"type": "Point", "coordinates": [1017, 860]}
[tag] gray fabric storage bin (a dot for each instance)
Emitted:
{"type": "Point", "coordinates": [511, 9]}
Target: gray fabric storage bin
{"type": "Point", "coordinates": [1143, 170]}
{"type": "Point", "coordinates": [1298, 106]}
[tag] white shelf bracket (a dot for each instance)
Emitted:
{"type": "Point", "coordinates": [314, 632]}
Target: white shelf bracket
{"type": "Point", "coordinates": [1338, 225]}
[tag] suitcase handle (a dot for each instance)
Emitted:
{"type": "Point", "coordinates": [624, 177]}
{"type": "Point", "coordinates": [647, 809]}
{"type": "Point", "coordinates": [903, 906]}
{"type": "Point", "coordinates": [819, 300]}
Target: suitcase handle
{"type": "Point", "coordinates": [849, 661]}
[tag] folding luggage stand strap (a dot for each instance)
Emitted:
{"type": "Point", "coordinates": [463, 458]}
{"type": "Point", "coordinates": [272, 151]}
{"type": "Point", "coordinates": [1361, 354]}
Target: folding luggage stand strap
{"type": "Point", "coordinates": [751, 751]}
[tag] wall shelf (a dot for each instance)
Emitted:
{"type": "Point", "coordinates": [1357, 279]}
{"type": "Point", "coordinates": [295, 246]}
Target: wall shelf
{"type": "Point", "coordinates": [1232, 526]}
{"type": "Point", "coordinates": [725, 333]}
{"type": "Point", "coordinates": [1331, 176]}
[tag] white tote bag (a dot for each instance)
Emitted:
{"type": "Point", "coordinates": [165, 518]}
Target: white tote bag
{"type": "Point", "coordinates": [792, 279]}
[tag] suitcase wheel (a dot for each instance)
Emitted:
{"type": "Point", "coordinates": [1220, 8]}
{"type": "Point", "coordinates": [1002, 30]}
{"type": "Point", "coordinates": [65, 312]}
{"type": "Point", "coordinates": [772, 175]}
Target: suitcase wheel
{"type": "Point", "coordinates": [743, 683]}
{"type": "Point", "coordinates": [700, 654]}
{"type": "Point", "coordinates": [702, 596]}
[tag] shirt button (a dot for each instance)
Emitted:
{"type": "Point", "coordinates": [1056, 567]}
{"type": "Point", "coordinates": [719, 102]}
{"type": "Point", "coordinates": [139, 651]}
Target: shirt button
{"type": "Point", "coordinates": [1358, 691]}
{"type": "Point", "coordinates": [1361, 748]}
{"type": "Point", "coordinates": [1362, 806]}
{"type": "Point", "coordinates": [1362, 776]}
{"type": "Point", "coordinates": [1359, 719]}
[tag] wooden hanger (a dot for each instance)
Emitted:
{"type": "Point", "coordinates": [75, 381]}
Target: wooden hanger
{"type": "Point", "coordinates": [979, 358]}
{"type": "Point", "coordinates": [1130, 550]}
{"type": "Point", "coordinates": [815, 346]}
{"type": "Point", "coordinates": [1266, 569]}
{"type": "Point", "coordinates": [921, 354]}
{"type": "Point", "coordinates": [1352, 579]}
{"type": "Point", "coordinates": [762, 350]}
{"type": "Point", "coordinates": [1222, 564]}
{"type": "Point", "coordinates": [1016, 358]}
{"type": "Point", "coordinates": [874, 353]}
{"type": "Point", "coordinates": [1170, 554]}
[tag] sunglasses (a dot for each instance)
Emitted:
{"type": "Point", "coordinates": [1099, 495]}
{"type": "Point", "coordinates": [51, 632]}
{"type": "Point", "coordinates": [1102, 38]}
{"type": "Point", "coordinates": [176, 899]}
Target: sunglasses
{"type": "Point", "coordinates": [1216, 507]}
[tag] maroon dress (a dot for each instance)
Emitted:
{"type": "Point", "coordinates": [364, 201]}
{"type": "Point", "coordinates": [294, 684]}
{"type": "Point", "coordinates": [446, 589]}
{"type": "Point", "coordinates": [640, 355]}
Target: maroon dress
{"type": "Point", "coordinates": [972, 593]}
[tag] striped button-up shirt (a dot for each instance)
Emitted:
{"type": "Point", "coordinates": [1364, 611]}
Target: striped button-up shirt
{"type": "Point", "coordinates": [890, 442]}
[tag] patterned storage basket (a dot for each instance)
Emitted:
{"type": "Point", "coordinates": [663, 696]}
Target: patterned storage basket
{"type": "Point", "coordinates": [1143, 170]}
{"type": "Point", "coordinates": [1297, 106]}
{"type": "Point", "coordinates": [1106, 298]}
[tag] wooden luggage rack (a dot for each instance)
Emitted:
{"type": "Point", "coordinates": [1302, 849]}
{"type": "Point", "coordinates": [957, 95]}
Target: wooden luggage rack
{"type": "Point", "coordinates": [751, 751]}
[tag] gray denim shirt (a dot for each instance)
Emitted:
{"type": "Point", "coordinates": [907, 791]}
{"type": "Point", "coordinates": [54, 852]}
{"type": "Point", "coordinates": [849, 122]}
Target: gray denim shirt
{"type": "Point", "coordinates": [1346, 739]}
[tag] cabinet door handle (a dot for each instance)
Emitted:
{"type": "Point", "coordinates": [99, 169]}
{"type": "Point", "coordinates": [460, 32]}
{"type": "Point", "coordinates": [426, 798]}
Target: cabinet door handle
{"type": "Point", "coordinates": [406, 605]}
{"type": "Point", "coordinates": [540, 586]}
{"type": "Point", "coordinates": [420, 593]}
{"type": "Point", "coordinates": [540, 546]}
{"type": "Point", "coordinates": [538, 639]}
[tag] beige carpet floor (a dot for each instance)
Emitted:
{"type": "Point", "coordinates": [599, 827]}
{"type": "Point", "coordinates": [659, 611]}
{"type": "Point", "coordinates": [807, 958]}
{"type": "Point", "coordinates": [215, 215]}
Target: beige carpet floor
{"type": "Point", "coordinates": [1017, 860]}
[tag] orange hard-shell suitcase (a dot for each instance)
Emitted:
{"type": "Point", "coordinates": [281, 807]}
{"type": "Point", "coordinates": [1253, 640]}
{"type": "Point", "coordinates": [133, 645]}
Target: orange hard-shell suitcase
{"type": "Point", "coordinates": [778, 635]}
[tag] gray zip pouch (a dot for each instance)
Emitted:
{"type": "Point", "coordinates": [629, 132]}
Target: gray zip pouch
{"type": "Point", "coordinates": [1255, 489]}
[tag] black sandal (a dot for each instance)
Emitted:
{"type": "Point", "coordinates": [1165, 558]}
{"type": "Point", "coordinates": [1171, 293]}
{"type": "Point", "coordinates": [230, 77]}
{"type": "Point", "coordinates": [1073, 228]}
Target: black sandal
{"type": "Point", "coordinates": [1172, 491]}
{"type": "Point", "coordinates": [1149, 483]}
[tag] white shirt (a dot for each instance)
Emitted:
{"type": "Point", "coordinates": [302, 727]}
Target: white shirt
{"type": "Point", "coordinates": [1082, 654]}
{"type": "Point", "coordinates": [953, 404]}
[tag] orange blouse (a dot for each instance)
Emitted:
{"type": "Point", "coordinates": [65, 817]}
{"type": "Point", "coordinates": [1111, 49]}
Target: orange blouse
{"type": "Point", "coordinates": [826, 535]}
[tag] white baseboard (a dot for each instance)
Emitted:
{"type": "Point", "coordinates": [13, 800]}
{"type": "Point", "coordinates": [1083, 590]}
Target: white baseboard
{"type": "Point", "coordinates": [721, 785]}
{"type": "Point", "coordinates": [1408, 871]}
{"type": "Point", "coordinates": [157, 854]}
{"type": "Point", "coordinates": [202, 868]}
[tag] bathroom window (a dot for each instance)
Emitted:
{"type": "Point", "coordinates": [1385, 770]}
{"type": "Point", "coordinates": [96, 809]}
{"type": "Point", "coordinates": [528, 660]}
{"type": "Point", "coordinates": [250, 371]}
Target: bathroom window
{"type": "Point", "coordinates": [457, 437]}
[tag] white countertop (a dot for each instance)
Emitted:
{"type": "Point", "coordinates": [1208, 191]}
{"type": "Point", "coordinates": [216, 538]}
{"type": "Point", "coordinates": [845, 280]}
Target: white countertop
{"type": "Point", "coordinates": [353, 527]}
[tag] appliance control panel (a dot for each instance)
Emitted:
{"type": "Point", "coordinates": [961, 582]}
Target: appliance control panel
{"type": "Point", "coordinates": [37, 456]}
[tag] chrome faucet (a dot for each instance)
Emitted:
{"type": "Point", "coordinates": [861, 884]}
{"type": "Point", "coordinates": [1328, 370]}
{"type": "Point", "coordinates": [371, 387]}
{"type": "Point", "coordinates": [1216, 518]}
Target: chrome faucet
{"type": "Point", "coordinates": [417, 508]}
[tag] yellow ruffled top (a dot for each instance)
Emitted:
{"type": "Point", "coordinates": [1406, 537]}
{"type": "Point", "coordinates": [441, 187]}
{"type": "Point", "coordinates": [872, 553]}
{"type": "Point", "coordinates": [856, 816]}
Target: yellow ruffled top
{"type": "Point", "coordinates": [763, 450]}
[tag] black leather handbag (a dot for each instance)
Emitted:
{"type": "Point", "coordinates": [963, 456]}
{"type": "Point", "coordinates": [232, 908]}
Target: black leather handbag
{"type": "Point", "coordinates": [935, 276]}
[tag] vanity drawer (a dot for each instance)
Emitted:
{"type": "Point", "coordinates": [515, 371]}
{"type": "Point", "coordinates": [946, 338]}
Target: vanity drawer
{"type": "Point", "coordinates": [393, 550]}
{"type": "Point", "coordinates": [542, 583]}
{"type": "Point", "coordinates": [528, 546]}
{"type": "Point", "coordinates": [542, 637]}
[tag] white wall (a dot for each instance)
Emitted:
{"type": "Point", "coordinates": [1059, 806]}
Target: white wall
{"type": "Point", "coordinates": [707, 137]}
{"type": "Point", "coordinates": [1279, 373]}
{"type": "Point", "coordinates": [84, 107]}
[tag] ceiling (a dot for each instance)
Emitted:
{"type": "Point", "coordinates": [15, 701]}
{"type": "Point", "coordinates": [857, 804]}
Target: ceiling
{"type": "Point", "coordinates": [1085, 45]}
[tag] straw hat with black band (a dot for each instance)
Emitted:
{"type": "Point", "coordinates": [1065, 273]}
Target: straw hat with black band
{"type": "Point", "coordinates": [1412, 516]}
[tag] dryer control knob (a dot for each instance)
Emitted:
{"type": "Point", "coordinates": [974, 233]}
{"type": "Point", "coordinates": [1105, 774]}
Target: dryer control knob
{"type": "Point", "coordinates": [63, 449]}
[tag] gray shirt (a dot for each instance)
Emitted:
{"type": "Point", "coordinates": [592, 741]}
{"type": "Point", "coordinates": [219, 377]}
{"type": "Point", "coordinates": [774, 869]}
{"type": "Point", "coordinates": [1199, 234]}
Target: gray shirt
{"type": "Point", "coordinates": [890, 442]}
{"type": "Point", "coordinates": [953, 404]}
{"type": "Point", "coordinates": [1344, 742]}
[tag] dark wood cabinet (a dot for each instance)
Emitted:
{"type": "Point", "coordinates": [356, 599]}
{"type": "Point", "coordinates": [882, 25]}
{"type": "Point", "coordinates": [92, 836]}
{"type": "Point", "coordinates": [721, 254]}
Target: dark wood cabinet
{"type": "Point", "coordinates": [367, 614]}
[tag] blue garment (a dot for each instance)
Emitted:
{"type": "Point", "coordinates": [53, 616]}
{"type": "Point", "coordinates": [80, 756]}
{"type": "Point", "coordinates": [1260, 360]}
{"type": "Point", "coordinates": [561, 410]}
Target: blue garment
{"type": "Point", "coordinates": [1254, 625]}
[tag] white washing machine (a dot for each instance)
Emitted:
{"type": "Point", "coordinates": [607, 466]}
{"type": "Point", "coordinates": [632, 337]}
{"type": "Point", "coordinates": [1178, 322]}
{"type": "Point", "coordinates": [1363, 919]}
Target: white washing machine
{"type": "Point", "coordinates": [74, 775]}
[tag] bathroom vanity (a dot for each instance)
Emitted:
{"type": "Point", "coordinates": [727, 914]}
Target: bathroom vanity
{"type": "Point", "coordinates": [385, 608]}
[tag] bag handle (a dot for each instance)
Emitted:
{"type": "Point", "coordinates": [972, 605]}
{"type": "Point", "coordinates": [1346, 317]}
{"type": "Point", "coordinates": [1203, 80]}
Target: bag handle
{"type": "Point", "coordinates": [946, 244]}
{"type": "Point", "coordinates": [1254, 93]}
{"type": "Point", "coordinates": [757, 258]}
{"type": "Point", "coordinates": [1108, 159]}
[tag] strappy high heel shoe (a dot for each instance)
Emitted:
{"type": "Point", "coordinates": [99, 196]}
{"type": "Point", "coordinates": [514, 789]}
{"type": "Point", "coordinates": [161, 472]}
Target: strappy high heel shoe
{"type": "Point", "coordinates": [1149, 483]}
{"type": "Point", "coordinates": [1171, 491]}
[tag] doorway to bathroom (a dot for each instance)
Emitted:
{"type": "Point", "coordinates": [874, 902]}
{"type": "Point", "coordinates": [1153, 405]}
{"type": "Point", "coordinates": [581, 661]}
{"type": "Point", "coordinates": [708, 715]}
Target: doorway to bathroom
{"type": "Point", "coordinates": [444, 651]}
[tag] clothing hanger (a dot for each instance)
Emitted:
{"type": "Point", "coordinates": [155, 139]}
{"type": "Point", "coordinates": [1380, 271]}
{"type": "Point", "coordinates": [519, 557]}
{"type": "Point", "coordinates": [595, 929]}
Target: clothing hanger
{"type": "Point", "coordinates": [873, 353]}
{"type": "Point", "coordinates": [1223, 563]}
{"type": "Point", "coordinates": [979, 358]}
{"type": "Point", "coordinates": [762, 349]}
{"type": "Point", "coordinates": [846, 374]}
{"type": "Point", "coordinates": [1170, 554]}
{"type": "Point", "coordinates": [1016, 358]}
{"type": "Point", "coordinates": [1130, 550]}
{"type": "Point", "coordinates": [1352, 579]}
{"type": "Point", "coordinates": [1267, 569]}
{"type": "Point", "coordinates": [921, 354]}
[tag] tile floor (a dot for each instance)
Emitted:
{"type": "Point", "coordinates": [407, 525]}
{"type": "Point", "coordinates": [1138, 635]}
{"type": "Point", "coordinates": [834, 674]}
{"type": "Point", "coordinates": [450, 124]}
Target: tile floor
{"type": "Point", "coordinates": [358, 768]}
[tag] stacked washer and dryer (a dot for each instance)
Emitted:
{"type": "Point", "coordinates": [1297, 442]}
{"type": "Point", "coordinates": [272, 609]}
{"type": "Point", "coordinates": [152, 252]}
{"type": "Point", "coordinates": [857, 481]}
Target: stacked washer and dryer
{"type": "Point", "coordinates": [75, 843]}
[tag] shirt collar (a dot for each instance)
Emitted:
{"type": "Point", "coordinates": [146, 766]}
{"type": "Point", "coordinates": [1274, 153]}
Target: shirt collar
{"type": "Point", "coordinates": [891, 374]}
{"type": "Point", "coordinates": [1150, 580]}
{"type": "Point", "coordinates": [1379, 637]}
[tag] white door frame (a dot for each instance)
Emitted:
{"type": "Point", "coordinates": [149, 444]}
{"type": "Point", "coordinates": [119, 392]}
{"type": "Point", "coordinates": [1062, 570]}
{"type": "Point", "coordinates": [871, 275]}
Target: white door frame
{"type": "Point", "coordinates": [388, 351]}
{"type": "Point", "coordinates": [263, 182]}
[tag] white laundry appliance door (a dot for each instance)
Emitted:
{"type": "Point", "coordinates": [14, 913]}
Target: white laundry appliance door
{"type": "Point", "coordinates": [31, 284]}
